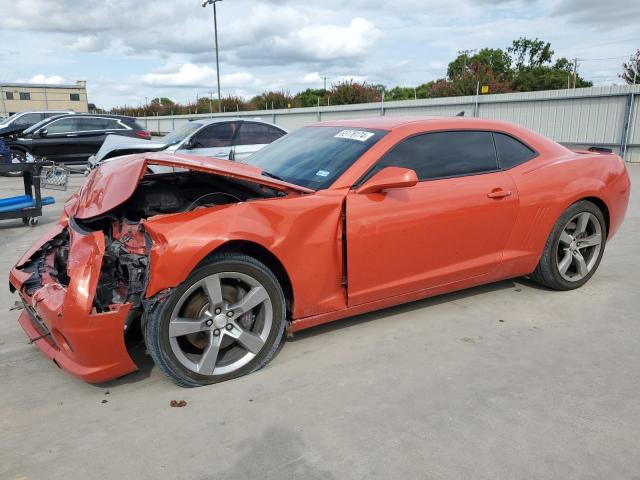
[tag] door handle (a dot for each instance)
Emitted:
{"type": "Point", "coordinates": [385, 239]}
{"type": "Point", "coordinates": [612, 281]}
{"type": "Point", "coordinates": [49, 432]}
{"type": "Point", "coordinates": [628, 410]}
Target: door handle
{"type": "Point", "coordinates": [499, 193]}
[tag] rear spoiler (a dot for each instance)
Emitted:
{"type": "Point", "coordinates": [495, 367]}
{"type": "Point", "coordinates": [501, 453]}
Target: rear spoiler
{"type": "Point", "coordinates": [602, 150]}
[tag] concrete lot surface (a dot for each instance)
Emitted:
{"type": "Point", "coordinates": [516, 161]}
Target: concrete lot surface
{"type": "Point", "coordinates": [506, 381]}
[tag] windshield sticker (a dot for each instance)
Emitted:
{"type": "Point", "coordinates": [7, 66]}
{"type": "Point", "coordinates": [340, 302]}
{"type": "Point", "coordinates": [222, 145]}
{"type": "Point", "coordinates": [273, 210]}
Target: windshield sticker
{"type": "Point", "coordinates": [359, 135]}
{"type": "Point", "coordinates": [322, 173]}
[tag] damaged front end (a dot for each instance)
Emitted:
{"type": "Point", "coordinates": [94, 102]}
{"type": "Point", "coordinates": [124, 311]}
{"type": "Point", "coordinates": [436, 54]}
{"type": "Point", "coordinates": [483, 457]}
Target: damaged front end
{"type": "Point", "coordinates": [58, 284]}
{"type": "Point", "coordinates": [84, 284]}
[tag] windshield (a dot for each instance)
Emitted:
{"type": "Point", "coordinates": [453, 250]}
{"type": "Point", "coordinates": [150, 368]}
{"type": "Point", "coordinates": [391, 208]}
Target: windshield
{"type": "Point", "coordinates": [181, 133]}
{"type": "Point", "coordinates": [35, 127]}
{"type": "Point", "coordinates": [11, 118]}
{"type": "Point", "coordinates": [314, 157]}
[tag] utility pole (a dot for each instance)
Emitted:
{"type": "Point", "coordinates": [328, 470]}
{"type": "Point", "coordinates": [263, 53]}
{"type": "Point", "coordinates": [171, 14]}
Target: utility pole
{"type": "Point", "coordinates": [575, 71]}
{"type": "Point", "coordinates": [210, 102]}
{"type": "Point", "coordinates": [215, 32]}
{"type": "Point", "coordinates": [325, 83]}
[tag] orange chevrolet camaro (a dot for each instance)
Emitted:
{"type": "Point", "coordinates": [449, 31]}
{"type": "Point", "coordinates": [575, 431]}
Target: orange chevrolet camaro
{"type": "Point", "coordinates": [211, 262]}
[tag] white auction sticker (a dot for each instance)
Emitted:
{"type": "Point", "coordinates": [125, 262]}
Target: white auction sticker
{"type": "Point", "coordinates": [359, 135]}
{"type": "Point", "coordinates": [322, 173]}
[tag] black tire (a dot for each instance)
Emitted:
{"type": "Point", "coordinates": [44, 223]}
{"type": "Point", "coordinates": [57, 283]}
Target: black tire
{"type": "Point", "coordinates": [547, 272]}
{"type": "Point", "coordinates": [156, 325]}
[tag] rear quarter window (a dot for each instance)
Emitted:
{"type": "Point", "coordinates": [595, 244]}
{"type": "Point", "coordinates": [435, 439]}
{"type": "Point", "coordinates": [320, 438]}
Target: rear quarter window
{"type": "Point", "coordinates": [511, 152]}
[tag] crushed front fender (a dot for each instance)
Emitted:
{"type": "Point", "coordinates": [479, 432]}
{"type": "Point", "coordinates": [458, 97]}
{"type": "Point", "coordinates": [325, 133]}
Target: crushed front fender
{"type": "Point", "coordinates": [59, 316]}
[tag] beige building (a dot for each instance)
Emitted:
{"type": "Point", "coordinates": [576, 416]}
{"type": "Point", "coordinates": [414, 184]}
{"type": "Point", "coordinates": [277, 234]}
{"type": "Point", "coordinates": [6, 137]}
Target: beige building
{"type": "Point", "coordinates": [22, 97]}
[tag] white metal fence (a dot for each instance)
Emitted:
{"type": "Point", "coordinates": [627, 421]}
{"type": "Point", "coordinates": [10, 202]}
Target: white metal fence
{"type": "Point", "coordinates": [596, 116]}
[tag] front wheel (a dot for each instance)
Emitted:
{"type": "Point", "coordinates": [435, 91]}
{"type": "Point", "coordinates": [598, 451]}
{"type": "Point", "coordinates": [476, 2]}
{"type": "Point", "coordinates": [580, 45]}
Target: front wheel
{"type": "Point", "coordinates": [226, 320]}
{"type": "Point", "coordinates": [574, 248]}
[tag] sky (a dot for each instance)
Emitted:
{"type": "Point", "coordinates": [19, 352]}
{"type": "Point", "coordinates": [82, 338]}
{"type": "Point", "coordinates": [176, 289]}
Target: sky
{"type": "Point", "coordinates": [127, 50]}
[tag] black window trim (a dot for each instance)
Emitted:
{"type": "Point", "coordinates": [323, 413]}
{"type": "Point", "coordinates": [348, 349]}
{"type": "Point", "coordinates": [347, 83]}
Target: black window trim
{"type": "Point", "coordinates": [366, 174]}
{"type": "Point", "coordinates": [118, 120]}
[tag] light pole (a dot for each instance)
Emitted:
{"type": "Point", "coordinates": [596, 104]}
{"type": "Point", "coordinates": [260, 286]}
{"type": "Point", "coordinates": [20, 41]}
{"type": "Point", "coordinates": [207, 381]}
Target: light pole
{"type": "Point", "coordinates": [215, 32]}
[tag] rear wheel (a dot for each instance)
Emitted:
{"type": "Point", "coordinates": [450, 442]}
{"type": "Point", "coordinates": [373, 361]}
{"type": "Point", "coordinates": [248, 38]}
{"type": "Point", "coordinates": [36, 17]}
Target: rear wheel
{"type": "Point", "coordinates": [226, 320]}
{"type": "Point", "coordinates": [574, 248]}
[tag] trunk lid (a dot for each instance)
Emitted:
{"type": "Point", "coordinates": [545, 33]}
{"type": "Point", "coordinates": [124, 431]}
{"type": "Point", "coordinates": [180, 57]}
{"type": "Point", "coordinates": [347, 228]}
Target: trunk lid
{"type": "Point", "coordinates": [115, 180]}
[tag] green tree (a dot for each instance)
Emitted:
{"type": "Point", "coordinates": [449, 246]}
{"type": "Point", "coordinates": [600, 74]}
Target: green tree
{"type": "Point", "coordinates": [164, 101]}
{"type": "Point", "coordinates": [495, 59]}
{"type": "Point", "coordinates": [309, 97]}
{"type": "Point", "coordinates": [525, 52]}
{"type": "Point", "coordinates": [350, 92]}
{"type": "Point", "coordinates": [631, 71]}
{"type": "Point", "coordinates": [272, 100]}
{"type": "Point", "coordinates": [401, 93]}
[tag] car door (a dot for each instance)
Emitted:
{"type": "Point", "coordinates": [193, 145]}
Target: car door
{"type": "Point", "coordinates": [56, 140]}
{"type": "Point", "coordinates": [215, 140]}
{"type": "Point", "coordinates": [252, 137]}
{"type": "Point", "coordinates": [451, 226]}
{"type": "Point", "coordinates": [90, 134]}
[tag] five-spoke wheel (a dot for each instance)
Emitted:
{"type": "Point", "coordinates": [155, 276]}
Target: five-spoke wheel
{"type": "Point", "coordinates": [574, 248]}
{"type": "Point", "coordinates": [226, 320]}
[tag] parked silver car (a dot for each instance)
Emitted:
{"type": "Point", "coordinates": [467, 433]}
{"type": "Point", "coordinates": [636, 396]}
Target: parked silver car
{"type": "Point", "coordinates": [228, 138]}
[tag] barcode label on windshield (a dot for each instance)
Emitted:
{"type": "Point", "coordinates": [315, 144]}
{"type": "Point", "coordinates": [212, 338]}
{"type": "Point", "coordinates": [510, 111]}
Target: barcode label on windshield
{"type": "Point", "coordinates": [359, 135]}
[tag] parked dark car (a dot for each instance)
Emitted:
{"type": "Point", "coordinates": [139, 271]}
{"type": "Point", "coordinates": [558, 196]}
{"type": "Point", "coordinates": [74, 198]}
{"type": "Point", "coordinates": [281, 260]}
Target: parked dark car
{"type": "Point", "coordinates": [72, 138]}
{"type": "Point", "coordinates": [19, 122]}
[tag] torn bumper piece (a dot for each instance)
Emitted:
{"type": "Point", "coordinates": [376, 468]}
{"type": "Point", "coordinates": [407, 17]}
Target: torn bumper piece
{"type": "Point", "coordinates": [61, 320]}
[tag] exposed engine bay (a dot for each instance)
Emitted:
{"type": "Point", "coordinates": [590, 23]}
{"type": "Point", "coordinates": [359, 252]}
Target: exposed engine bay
{"type": "Point", "coordinates": [125, 263]}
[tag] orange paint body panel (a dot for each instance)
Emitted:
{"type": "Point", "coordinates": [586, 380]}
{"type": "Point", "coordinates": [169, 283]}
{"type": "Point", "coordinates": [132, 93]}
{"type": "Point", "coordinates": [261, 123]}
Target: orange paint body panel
{"type": "Point", "coordinates": [90, 346]}
{"type": "Point", "coordinates": [344, 251]}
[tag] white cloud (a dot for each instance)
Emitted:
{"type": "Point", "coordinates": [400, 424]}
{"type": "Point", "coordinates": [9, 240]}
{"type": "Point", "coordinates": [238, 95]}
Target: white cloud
{"type": "Point", "coordinates": [51, 80]}
{"type": "Point", "coordinates": [325, 42]}
{"type": "Point", "coordinates": [88, 43]}
{"type": "Point", "coordinates": [313, 77]}
{"type": "Point", "coordinates": [349, 78]}
{"type": "Point", "coordinates": [191, 75]}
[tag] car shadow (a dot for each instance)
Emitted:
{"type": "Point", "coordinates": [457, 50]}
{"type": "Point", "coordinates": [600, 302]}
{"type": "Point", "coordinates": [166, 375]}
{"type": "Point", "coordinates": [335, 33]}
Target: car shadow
{"type": "Point", "coordinates": [411, 306]}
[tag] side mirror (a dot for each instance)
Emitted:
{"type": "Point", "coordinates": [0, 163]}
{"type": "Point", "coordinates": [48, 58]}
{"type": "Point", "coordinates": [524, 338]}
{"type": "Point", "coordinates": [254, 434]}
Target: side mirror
{"type": "Point", "coordinates": [43, 132]}
{"type": "Point", "coordinates": [388, 178]}
{"type": "Point", "coordinates": [188, 144]}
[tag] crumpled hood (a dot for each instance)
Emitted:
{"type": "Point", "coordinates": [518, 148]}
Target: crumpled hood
{"type": "Point", "coordinates": [115, 181]}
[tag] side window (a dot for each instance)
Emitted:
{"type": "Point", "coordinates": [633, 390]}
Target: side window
{"type": "Point", "coordinates": [74, 97]}
{"type": "Point", "coordinates": [9, 95]}
{"type": "Point", "coordinates": [217, 135]}
{"type": "Point", "coordinates": [113, 124]}
{"type": "Point", "coordinates": [28, 119]}
{"type": "Point", "coordinates": [257, 134]}
{"type": "Point", "coordinates": [511, 152]}
{"type": "Point", "coordinates": [443, 154]}
{"type": "Point", "coordinates": [91, 124]}
{"type": "Point", "coordinates": [25, 96]}
{"type": "Point", "coordinates": [63, 125]}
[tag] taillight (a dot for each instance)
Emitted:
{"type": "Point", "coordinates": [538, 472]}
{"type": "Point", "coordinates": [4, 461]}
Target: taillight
{"type": "Point", "coordinates": [143, 134]}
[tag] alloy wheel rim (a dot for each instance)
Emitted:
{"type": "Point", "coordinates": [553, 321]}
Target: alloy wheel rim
{"type": "Point", "coordinates": [220, 323]}
{"type": "Point", "coordinates": [579, 246]}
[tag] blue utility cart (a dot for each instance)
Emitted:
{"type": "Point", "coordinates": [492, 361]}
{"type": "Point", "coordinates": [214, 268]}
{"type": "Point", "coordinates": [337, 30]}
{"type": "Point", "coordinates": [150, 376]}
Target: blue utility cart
{"type": "Point", "coordinates": [28, 207]}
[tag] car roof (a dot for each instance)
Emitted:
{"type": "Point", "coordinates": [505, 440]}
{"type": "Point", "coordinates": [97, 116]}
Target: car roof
{"type": "Point", "coordinates": [50, 111]}
{"type": "Point", "coordinates": [429, 123]}
{"type": "Point", "coordinates": [93, 115]}
{"type": "Point", "coordinates": [209, 121]}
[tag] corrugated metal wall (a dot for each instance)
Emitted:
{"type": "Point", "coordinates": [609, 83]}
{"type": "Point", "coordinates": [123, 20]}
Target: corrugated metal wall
{"type": "Point", "coordinates": [582, 117]}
